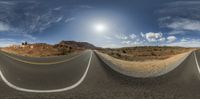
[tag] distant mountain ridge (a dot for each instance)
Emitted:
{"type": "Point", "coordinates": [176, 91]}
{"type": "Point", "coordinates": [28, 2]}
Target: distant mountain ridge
{"type": "Point", "coordinates": [84, 45]}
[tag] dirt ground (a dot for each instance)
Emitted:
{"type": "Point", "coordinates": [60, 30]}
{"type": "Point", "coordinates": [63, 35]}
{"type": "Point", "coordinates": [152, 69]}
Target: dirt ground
{"type": "Point", "coordinates": [144, 53]}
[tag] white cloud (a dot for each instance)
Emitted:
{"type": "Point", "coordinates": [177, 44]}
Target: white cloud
{"type": "Point", "coordinates": [86, 6]}
{"type": "Point", "coordinates": [186, 43]}
{"type": "Point", "coordinates": [185, 24]}
{"type": "Point", "coordinates": [153, 37]}
{"type": "Point", "coordinates": [57, 8]}
{"type": "Point", "coordinates": [121, 36]}
{"type": "Point", "coordinates": [4, 27]}
{"type": "Point", "coordinates": [126, 42]}
{"type": "Point", "coordinates": [174, 32]}
{"type": "Point", "coordinates": [30, 37]}
{"type": "Point", "coordinates": [7, 42]}
{"type": "Point", "coordinates": [171, 39]}
{"type": "Point", "coordinates": [162, 39]}
{"type": "Point", "coordinates": [142, 34]}
{"type": "Point", "coordinates": [181, 17]}
{"type": "Point", "coordinates": [108, 37]}
{"type": "Point", "coordinates": [59, 19]}
{"type": "Point", "coordinates": [184, 4]}
{"type": "Point", "coordinates": [110, 45]}
{"type": "Point", "coordinates": [150, 38]}
{"type": "Point", "coordinates": [33, 18]}
{"type": "Point", "coordinates": [133, 36]}
{"type": "Point", "coordinates": [164, 18]}
{"type": "Point", "coordinates": [184, 40]}
{"type": "Point", "coordinates": [7, 2]}
{"type": "Point", "coordinates": [69, 19]}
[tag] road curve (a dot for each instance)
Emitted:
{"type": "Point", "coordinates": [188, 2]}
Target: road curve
{"type": "Point", "coordinates": [102, 82]}
{"type": "Point", "coordinates": [43, 77]}
{"type": "Point", "coordinates": [43, 60]}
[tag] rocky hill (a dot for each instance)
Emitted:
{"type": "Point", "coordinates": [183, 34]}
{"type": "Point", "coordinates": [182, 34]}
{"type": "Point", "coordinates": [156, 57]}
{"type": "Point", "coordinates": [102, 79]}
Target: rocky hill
{"type": "Point", "coordinates": [74, 44]}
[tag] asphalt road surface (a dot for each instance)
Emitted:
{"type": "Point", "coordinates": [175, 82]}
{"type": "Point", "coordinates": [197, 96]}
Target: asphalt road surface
{"type": "Point", "coordinates": [87, 77]}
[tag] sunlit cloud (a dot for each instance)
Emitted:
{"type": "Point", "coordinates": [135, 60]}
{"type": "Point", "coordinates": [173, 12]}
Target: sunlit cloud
{"type": "Point", "coordinates": [171, 39]}
{"type": "Point", "coordinates": [153, 37]}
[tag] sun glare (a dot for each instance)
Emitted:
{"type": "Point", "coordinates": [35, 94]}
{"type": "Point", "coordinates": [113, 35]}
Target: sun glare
{"type": "Point", "coordinates": [100, 28]}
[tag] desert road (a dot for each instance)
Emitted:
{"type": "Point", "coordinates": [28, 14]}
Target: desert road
{"type": "Point", "coordinates": [86, 76]}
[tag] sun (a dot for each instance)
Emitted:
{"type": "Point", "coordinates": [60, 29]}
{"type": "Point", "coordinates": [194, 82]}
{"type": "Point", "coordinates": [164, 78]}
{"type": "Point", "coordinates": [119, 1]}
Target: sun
{"type": "Point", "coordinates": [100, 27]}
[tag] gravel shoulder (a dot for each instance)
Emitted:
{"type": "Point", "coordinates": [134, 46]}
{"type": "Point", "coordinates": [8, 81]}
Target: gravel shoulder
{"type": "Point", "coordinates": [144, 69]}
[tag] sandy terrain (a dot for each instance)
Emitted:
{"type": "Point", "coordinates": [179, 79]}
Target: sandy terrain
{"type": "Point", "coordinates": [32, 50]}
{"type": "Point", "coordinates": [148, 68]}
{"type": "Point", "coordinates": [144, 53]}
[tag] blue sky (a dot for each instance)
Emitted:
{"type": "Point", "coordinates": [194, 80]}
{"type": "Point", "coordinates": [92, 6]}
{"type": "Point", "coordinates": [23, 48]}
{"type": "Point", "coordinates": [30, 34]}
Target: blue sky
{"type": "Point", "coordinates": [124, 22]}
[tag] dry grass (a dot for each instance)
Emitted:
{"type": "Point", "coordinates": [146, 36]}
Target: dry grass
{"type": "Point", "coordinates": [144, 53]}
{"type": "Point", "coordinates": [39, 50]}
{"type": "Point", "coordinates": [36, 51]}
{"type": "Point", "coordinates": [44, 50]}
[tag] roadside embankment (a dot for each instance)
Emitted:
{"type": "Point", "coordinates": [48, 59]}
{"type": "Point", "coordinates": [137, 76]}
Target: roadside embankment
{"type": "Point", "coordinates": [143, 69]}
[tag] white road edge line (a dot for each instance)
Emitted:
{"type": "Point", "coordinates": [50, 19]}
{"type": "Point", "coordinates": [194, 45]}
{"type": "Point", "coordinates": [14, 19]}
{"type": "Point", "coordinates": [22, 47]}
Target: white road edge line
{"type": "Point", "coordinates": [195, 56]}
{"type": "Point", "coordinates": [49, 91]}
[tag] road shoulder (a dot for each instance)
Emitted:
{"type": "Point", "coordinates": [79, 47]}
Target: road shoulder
{"type": "Point", "coordinates": [152, 68]}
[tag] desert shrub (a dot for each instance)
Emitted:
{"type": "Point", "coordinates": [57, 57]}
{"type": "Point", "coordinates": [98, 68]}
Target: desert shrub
{"type": "Point", "coordinates": [124, 51]}
{"type": "Point", "coordinates": [64, 51]}
{"type": "Point", "coordinates": [171, 51]}
{"type": "Point", "coordinates": [118, 55]}
{"type": "Point", "coordinates": [153, 54]}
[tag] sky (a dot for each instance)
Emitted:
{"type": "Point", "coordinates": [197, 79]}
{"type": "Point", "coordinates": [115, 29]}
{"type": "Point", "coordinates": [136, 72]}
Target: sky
{"type": "Point", "coordinates": [104, 23]}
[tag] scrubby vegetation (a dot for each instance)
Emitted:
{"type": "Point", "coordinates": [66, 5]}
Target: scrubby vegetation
{"type": "Point", "coordinates": [44, 50]}
{"type": "Point", "coordinates": [144, 53]}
